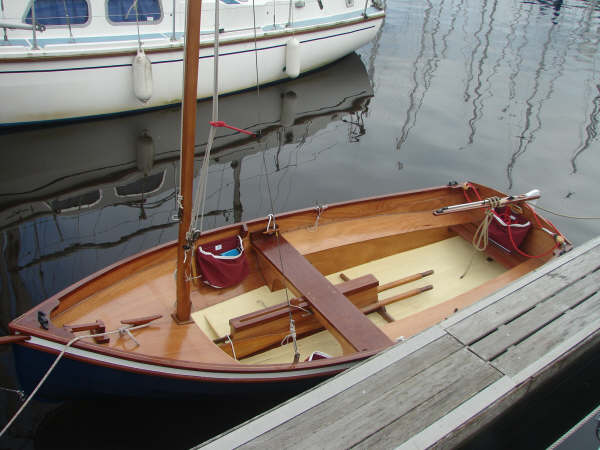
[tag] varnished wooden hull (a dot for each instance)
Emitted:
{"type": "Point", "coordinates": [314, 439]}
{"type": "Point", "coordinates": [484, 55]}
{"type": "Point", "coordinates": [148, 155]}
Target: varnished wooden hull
{"type": "Point", "coordinates": [173, 360]}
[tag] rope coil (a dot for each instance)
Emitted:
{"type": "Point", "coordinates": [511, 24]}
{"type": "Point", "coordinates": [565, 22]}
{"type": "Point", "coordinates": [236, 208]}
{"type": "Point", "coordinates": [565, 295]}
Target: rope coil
{"type": "Point", "coordinates": [481, 236]}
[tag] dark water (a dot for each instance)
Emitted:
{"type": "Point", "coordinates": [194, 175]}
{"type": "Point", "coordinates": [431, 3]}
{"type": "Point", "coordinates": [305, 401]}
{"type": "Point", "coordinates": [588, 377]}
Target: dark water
{"type": "Point", "coordinates": [506, 93]}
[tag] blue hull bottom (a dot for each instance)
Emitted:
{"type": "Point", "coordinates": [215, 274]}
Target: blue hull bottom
{"type": "Point", "coordinates": [73, 379]}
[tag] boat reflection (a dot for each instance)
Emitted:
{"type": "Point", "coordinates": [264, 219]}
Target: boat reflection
{"type": "Point", "coordinates": [67, 169]}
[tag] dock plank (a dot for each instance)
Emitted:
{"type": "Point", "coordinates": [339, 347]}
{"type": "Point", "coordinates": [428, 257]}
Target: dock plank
{"type": "Point", "coordinates": [316, 423]}
{"type": "Point", "coordinates": [535, 346]}
{"type": "Point", "coordinates": [490, 318]}
{"type": "Point", "coordinates": [385, 399]}
{"type": "Point", "coordinates": [541, 315]}
{"type": "Point", "coordinates": [470, 378]}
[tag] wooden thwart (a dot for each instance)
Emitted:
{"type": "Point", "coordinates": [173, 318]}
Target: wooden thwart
{"type": "Point", "coordinates": [347, 323]}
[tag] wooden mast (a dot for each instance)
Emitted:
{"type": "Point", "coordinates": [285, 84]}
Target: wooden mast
{"type": "Point", "coordinates": [188, 138]}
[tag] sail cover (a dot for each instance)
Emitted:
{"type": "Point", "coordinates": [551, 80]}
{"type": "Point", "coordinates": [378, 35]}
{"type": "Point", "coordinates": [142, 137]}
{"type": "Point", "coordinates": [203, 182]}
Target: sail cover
{"type": "Point", "coordinates": [222, 263]}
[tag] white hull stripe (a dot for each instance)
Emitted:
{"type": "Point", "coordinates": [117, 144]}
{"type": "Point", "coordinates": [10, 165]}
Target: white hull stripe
{"type": "Point", "coordinates": [155, 369]}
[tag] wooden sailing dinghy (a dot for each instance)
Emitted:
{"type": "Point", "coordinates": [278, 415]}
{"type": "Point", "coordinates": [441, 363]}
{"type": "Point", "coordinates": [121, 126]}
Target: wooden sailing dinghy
{"type": "Point", "coordinates": [359, 275]}
{"type": "Point", "coordinates": [276, 303]}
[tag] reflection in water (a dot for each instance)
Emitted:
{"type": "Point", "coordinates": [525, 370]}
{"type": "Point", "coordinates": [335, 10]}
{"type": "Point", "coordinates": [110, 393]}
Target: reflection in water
{"type": "Point", "coordinates": [589, 47]}
{"type": "Point", "coordinates": [451, 27]}
{"type": "Point", "coordinates": [591, 129]}
{"type": "Point", "coordinates": [375, 50]}
{"type": "Point", "coordinates": [477, 99]}
{"type": "Point", "coordinates": [421, 76]}
{"type": "Point", "coordinates": [556, 5]}
{"type": "Point", "coordinates": [519, 59]}
{"type": "Point", "coordinates": [519, 66]}
{"type": "Point", "coordinates": [474, 51]}
{"type": "Point", "coordinates": [508, 41]}
{"type": "Point", "coordinates": [527, 133]}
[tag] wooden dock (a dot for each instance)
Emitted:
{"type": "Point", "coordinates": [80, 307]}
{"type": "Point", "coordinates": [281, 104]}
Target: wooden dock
{"type": "Point", "coordinates": [441, 386]}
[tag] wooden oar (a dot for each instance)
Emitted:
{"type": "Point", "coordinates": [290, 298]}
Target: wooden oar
{"type": "Point", "coordinates": [400, 282]}
{"type": "Point", "coordinates": [408, 279]}
{"type": "Point", "coordinates": [374, 307]}
{"type": "Point", "coordinates": [380, 306]}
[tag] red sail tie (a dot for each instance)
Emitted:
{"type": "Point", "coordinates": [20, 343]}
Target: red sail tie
{"type": "Point", "coordinates": [220, 123]}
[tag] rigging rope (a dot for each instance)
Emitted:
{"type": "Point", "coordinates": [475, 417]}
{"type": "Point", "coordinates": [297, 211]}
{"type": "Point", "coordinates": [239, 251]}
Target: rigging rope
{"type": "Point", "coordinates": [257, 109]}
{"type": "Point", "coordinates": [566, 215]}
{"type": "Point", "coordinates": [290, 18]}
{"type": "Point", "coordinates": [272, 217]}
{"type": "Point", "coordinates": [292, 333]}
{"type": "Point", "coordinates": [255, 50]}
{"type": "Point", "coordinates": [137, 21]}
{"type": "Point", "coordinates": [232, 348]}
{"type": "Point", "coordinates": [68, 19]}
{"type": "Point", "coordinates": [199, 198]}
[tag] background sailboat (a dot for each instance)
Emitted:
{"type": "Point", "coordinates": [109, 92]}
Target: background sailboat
{"type": "Point", "coordinates": [123, 55]}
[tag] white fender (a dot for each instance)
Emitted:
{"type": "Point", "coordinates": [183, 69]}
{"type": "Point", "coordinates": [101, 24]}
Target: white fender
{"type": "Point", "coordinates": [142, 76]}
{"type": "Point", "coordinates": [144, 147]}
{"type": "Point", "coordinates": [289, 100]}
{"type": "Point", "coordinates": [292, 57]}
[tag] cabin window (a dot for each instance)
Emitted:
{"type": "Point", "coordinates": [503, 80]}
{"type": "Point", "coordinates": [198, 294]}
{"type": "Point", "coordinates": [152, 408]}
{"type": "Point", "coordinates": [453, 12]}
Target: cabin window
{"type": "Point", "coordinates": [143, 11]}
{"type": "Point", "coordinates": [85, 200]}
{"type": "Point", "coordinates": [59, 12]}
{"type": "Point", "coordinates": [145, 185]}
